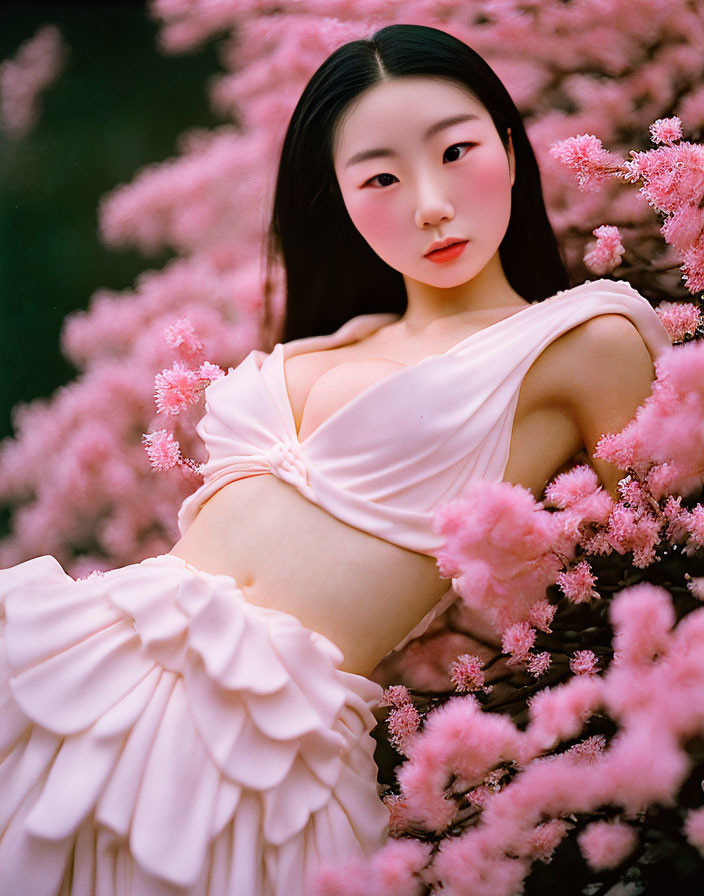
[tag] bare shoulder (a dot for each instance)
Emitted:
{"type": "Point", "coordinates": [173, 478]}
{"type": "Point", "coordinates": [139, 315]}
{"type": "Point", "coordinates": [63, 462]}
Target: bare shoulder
{"type": "Point", "coordinates": [602, 373]}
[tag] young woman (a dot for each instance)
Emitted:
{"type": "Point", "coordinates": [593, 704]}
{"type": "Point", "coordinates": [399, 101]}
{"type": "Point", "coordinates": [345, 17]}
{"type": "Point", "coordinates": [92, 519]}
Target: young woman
{"type": "Point", "coordinates": [198, 723]}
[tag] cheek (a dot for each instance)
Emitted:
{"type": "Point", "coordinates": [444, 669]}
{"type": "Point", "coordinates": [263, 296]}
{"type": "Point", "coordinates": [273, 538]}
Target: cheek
{"type": "Point", "coordinates": [487, 189]}
{"type": "Point", "coordinates": [378, 220]}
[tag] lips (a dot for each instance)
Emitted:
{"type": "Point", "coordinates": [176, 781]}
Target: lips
{"type": "Point", "coordinates": [444, 244]}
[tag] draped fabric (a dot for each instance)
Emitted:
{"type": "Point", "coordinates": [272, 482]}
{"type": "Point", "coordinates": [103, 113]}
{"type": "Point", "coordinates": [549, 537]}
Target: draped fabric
{"type": "Point", "coordinates": [160, 735]}
{"type": "Point", "coordinates": [412, 440]}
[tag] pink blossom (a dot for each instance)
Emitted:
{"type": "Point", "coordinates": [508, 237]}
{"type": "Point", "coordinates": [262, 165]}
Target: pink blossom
{"type": "Point", "coordinates": [588, 750]}
{"type": "Point", "coordinates": [605, 844]}
{"type": "Point", "coordinates": [517, 640]}
{"type": "Point", "coordinates": [666, 130]}
{"type": "Point", "coordinates": [694, 828]}
{"type": "Point", "coordinates": [395, 867]}
{"type": "Point", "coordinates": [577, 583]}
{"type": "Point", "coordinates": [539, 663]}
{"type": "Point", "coordinates": [397, 695]}
{"type": "Point", "coordinates": [606, 252]}
{"type": "Point", "coordinates": [683, 227]}
{"type": "Point", "coordinates": [584, 662]}
{"type": "Point", "coordinates": [181, 335]}
{"type": "Point", "coordinates": [466, 673]}
{"type": "Point", "coordinates": [693, 266]}
{"type": "Point", "coordinates": [176, 388]}
{"type": "Point", "coordinates": [637, 532]}
{"type": "Point", "coordinates": [572, 487]}
{"type": "Point", "coordinates": [403, 722]}
{"type": "Point", "coordinates": [642, 617]}
{"type": "Point", "coordinates": [695, 525]}
{"type": "Point", "coordinates": [585, 156]}
{"type": "Point", "coordinates": [398, 815]}
{"type": "Point", "coordinates": [670, 175]}
{"type": "Point", "coordinates": [541, 615]}
{"type": "Point", "coordinates": [498, 549]}
{"type": "Point", "coordinates": [680, 319]}
{"type": "Point", "coordinates": [163, 450]}
{"type": "Point", "coordinates": [545, 838]}
{"type": "Point", "coordinates": [696, 586]}
{"type": "Point", "coordinates": [37, 63]}
{"type": "Point", "coordinates": [210, 372]}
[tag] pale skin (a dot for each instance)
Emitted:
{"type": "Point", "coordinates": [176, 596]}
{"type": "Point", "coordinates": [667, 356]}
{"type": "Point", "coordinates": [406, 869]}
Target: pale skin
{"type": "Point", "coordinates": [364, 593]}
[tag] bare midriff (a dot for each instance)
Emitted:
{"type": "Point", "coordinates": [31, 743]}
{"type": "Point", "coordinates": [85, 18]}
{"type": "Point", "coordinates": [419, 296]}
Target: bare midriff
{"type": "Point", "coordinates": [363, 593]}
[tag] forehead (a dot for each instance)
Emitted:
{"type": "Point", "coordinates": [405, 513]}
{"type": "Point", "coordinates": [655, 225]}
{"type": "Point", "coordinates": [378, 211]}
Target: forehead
{"type": "Point", "coordinates": [410, 102]}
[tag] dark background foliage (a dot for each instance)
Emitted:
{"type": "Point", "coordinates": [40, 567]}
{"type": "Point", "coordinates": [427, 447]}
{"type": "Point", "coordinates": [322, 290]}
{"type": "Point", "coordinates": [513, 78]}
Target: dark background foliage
{"type": "Point", "coordinates": [118, 105]}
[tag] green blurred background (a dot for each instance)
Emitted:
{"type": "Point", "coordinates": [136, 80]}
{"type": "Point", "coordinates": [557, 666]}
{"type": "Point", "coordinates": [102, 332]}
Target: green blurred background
{"type": "Point", "coordinates": [119, 104]}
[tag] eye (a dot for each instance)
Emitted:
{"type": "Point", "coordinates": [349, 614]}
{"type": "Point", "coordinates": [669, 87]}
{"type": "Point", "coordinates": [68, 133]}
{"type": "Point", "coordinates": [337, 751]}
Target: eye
{"type": "Point", "coordinates": [369, 183]}
{"type": "Point", "coordinates": [457, 147]}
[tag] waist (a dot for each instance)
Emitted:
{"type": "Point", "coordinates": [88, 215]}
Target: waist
{"type": "Point", "coordinates": [364, 594]}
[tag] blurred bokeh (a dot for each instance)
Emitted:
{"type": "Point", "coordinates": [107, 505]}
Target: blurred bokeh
{"type": "Point", "coordinates": [118, 105]}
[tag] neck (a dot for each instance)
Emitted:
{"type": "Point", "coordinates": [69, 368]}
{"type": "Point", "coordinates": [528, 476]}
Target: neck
{"type": "Point", "coordinates": [488, 289]}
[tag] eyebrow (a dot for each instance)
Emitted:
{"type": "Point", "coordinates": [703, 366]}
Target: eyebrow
{"type": "Point", "coordinates": [432, 130]}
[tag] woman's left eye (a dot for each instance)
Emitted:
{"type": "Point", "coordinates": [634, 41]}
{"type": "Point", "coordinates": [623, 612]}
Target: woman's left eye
{"type": "Point", "coordinates": [460, 148]}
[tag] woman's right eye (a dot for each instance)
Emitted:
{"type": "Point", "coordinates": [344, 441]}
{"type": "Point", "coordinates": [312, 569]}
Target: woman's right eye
{"type": "Point", "coordinates": [370, 182]}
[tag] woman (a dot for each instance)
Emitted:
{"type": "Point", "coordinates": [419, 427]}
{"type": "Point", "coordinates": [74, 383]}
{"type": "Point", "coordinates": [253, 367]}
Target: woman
{"type": "Point", "coordinates": [198, 723]}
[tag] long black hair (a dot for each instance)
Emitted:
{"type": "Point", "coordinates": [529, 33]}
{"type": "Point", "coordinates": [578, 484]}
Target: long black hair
{"type": "Point", "coordinates": [331, 272]}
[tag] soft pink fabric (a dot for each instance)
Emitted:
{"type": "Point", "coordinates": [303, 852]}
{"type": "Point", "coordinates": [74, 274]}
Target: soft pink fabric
{"type": "Point", "coordinates": [161, 736]}
{"type": "Point", "coordinates": [409, 442]}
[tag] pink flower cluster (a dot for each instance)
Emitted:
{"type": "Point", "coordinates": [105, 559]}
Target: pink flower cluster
{"type": "Point", "coordinates": [174, 390]}
{"type": "Point", "coordinates": [664, 444]}
{"type": "Point", "coordinates": [37, 64]}
{"type": "Point", "coordinates": [586, 157]}
{"type": "Point", "coordinates": [526, 791]}
{"type": "Point", "coordinates": [680, 319]}
{"type": "Point", "coordinates": [606, 253]}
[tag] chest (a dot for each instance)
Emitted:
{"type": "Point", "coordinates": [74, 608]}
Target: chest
{"type": "Point", "coordinates": [544, 436]}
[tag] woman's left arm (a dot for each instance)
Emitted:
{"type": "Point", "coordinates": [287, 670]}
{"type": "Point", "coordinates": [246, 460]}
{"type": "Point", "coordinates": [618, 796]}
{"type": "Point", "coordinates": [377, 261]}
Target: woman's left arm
{"type": "Point", "coordinates": [609, 375]}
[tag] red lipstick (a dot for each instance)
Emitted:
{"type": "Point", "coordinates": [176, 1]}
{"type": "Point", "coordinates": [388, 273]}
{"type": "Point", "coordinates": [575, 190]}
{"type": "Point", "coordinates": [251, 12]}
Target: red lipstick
{"type": "Point", "coordinates": [446, 250]}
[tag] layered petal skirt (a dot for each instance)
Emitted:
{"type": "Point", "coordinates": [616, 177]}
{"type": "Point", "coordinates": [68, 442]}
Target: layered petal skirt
{"type": "Point", "coordinates": [160, 736]}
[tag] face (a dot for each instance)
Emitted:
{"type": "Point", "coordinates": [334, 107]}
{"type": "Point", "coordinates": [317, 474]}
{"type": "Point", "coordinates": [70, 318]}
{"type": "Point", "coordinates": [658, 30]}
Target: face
{"type": "Point", "coordinates": [419, 161]}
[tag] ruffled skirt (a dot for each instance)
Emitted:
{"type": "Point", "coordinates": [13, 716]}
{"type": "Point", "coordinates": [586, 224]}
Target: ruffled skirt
{"type": "Point", "coordinates": [160, 736]}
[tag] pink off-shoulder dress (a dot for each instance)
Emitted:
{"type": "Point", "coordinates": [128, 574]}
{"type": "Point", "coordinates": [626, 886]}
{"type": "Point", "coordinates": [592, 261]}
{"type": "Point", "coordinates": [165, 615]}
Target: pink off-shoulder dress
{"type": "Point", "coordinates": [159, 736]}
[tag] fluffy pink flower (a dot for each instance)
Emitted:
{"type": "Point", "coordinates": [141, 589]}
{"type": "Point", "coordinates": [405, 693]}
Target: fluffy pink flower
{"type": "Point", "coordinates": [517, 640]}
{"type": "Point", "coordinates": [539, 663]}
{"type": "Point", "coordinates": [398, 815]}
{"type": "Point", "coordinates": [584, 662]}
{"type": "Point", "coordinates": [162, 449]}
{"type": "Point", "coordinates": [466, 673]}
{"type": "Point", "coordinates": [693, 266]}
{"type": "Point", "coordinates": [680, 319]}
{"type": "Point", "coordinates": [545, 838]}
{"type": "Point", "coordinates": [577, 583]}
{"type": "Point", "coordinates": [606, 253]}
{"type": "Point", "coordinates": [498, 549]}
{"type": "Point", "coordinates": [175, 389]}
{"type": "Point", "coordinates": [683, 227]}
{"type": "Point", "coordinates": [37, 63]}
{"type": "Point", "coordinates": [671, 175]}
{"type": "Point", "coordinates": [541, 615]}
{"type": "Point", "coordinates": [397, 696]}
{"type": "Point", "coordinates": [395, 867]}
{"type": "Point", "coordinates": [181, 335]}
{"type": "Point", "coordinates": [585, 156]}
{"type": "Point", "coordinates": [572, 487]}
{"type": "Point", "coordinates": [694, 828]}
{"type": "Point", "coordinates": [637, 532]}
{"type": "Point", "coordinates": [642, 617]}
{"type": "Point", "coordinates": [696, 586]}
{"type": "Point", "coordinates": [588, 750]}
{"type": "Point", "coordinates": [666, 130]}
{"type": "Point", "coordinates": [605, 844]}
{"type": "Point", "coordinates": [403, 722]}
{"type": "Point", "coordinates": [210, 372]}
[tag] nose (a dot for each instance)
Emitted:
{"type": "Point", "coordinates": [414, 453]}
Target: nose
{"type": "Point", "coordinates": [433, 205]}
